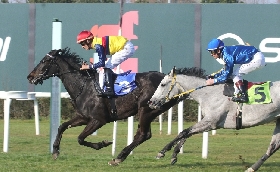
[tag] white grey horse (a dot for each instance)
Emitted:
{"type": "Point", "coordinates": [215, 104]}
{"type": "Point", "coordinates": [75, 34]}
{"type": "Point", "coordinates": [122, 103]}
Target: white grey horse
{"type": "Point", "coordinates": [218, 110]}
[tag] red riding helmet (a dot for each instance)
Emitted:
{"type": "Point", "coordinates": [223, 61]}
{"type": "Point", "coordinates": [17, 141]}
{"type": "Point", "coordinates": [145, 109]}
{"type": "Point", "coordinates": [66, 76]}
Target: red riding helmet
{"type": "Point", "coordinates": [84, 35]}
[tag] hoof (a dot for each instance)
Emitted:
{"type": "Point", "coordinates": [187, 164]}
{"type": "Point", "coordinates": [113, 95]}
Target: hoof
{"type": "Point", "coordinates": [55, 155]}
{"type": "Point", "coordinates": [160, 155]}
{"type": "Point", "coordinates": [250, 170]}
{"type": "Point", "coordinates": [106, 143]}
{"type": "Point", "coordinates": [114, 162]}
{"type": "Point", "coordinates": [173, 161]}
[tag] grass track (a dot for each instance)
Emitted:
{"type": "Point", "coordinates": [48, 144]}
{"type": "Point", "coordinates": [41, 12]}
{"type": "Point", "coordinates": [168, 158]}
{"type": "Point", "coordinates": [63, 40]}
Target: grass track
{"type": "Point", "coordinates": [229, 150]}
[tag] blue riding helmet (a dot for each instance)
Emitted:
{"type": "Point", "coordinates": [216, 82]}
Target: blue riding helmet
{"type": "Point", "coordinates": [215, 44]}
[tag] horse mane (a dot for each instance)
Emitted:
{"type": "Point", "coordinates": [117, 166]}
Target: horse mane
{"type": "Point", "coordinates": [71, 57]}
{"type": "Point", "coordinates": [74, 59]}
{"type": "Point", "coordinates": [192, 71]}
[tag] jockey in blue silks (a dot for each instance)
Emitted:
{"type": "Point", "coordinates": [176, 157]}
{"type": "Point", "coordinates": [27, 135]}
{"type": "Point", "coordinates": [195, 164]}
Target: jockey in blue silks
{"type": "Point", "coordinates": [248, 58]}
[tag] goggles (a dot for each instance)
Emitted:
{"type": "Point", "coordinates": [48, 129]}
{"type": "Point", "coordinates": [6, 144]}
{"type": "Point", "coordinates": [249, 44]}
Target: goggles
{"type": "Point", "coordinates": [213, 52]}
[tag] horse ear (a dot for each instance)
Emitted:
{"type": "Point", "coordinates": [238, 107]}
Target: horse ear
{"type": "Point", "coordinates": [58, 52]}
{"type": "Point", "coordinates": [173, 71]}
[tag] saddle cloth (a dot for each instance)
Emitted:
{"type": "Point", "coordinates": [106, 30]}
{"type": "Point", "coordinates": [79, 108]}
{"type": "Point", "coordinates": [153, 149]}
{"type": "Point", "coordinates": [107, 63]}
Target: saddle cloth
{"type": "Point", "coordinates": [124, 82]}
{"type": "Point", "coordinates": [258, 92]}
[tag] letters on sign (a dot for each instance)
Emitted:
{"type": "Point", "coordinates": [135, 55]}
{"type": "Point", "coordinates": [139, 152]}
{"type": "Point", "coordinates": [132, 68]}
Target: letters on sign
{"type": "Point", "coordinates": [263, 47]}
{"type": "Point", "coordinates": [4, 47]}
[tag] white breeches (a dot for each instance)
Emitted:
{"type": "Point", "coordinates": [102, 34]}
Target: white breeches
{"type": "Point", "coordinates": [257, 62]}
{"type": "Point", "coordinates": [120, 56]}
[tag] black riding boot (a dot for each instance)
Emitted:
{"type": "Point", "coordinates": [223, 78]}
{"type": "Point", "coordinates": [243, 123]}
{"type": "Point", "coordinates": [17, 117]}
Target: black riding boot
{"type": "Point", "coordinates": [109, 83]}
{"type": "Point", "coordinates": [242, 97]}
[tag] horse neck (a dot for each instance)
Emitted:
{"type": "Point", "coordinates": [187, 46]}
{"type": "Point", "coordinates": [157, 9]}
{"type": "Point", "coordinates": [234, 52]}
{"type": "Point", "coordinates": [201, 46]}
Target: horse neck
{"type": "Point", "coordinates": [74, 80]}
{"type": "Point", "coordinates": [207, 94]}
{"type": "Point", "coordinates": [190, 82]}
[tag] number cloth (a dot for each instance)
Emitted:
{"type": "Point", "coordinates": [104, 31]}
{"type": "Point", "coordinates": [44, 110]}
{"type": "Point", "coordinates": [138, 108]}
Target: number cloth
{"type": "Point", "coordinates": [259, 94]}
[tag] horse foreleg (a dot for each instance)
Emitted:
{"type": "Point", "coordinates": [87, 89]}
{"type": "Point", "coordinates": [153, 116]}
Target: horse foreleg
{"type": "Point", "coordinates": [273, 147]}
{"type": "Point", "coordinates": [179, 141]}
{"type": "Point", "coordinates": [177, 150]}
{"type": "Point", "coordinates": [91, 127]}
{"type": "Point", "coordinates": [77, 121]}
{"type": "Point", "coordinates": [138, 139]}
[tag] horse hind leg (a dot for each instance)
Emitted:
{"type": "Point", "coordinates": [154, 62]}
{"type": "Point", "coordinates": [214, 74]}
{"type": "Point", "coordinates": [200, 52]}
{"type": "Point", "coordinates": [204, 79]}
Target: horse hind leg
{"type": "Point", "coordinates": [178, 141]}
{"type": "Point", "coordinates": [77, 121]}
{"type": "Point", "coordinates": [273, 147]}
{"type": "Point", "coordinates": [91, 127]}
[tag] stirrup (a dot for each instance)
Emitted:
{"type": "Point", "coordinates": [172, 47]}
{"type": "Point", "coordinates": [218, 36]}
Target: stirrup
{"type": "Point", "coordinates": [107, 94]}
{"type": "Point", "coordinates": [235, 97]}
{"type": "Point", "coordinates": [240, 98]}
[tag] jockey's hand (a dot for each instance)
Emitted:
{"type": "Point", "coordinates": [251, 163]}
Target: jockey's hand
{"type": "Point", "coordinates": [209, 81]}
{"type": "Point", "coordinates": [209, 77]}
{"type": "Point", "coordinates": [84, 66]}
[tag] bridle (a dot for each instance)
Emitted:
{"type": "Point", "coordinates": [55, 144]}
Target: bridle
{"type": "Point", "coordinates": [183, 92]}
{"type": "Point", "coordinates": [53, 61]}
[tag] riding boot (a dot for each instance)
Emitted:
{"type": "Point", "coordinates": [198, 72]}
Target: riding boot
{"type": "Point", "coordinates": [242, 97]}
{"type": "Point", "coordinates": [109, 83]}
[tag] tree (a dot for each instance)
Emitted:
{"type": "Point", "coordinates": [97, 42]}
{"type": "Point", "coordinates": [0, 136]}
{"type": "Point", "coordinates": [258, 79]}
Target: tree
{"type": "Point", "coordinates": [220, 1]}
{"type": "Point", "coordinates": [71, 1]}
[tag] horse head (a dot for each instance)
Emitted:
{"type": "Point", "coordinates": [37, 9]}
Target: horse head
{"type": "Point", "coordinates": [45, 69]}
{"type": "Point", "coordinates": [166, 91]}
{"type": "Point", "coordinates": [56, 63]}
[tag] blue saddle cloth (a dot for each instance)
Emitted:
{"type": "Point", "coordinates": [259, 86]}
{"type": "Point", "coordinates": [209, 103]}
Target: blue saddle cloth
{"type": "Point", "coordinates": [125, 83]}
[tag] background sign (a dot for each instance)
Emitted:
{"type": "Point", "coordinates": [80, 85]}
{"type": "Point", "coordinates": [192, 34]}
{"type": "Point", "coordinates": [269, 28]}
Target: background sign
{"type": "Point", "coordinates": [182, 30]}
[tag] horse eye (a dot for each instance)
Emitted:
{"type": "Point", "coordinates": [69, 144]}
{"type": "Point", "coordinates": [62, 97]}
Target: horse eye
{"type": "Point", "coordinates": [162, 85]}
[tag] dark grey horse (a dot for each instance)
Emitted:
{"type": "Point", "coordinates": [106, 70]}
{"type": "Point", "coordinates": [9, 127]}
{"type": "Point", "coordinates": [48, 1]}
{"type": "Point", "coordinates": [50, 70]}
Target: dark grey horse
{"type": "Point", "coordinates": [217, 109]}
{"type": "Point", "coordinates": [93, 111]}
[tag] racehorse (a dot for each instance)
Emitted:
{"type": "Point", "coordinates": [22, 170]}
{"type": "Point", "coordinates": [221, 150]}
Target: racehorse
{"type": "Point", "coordinates": [93, 111]}
{"type": "Point", "coordinates": [218, 110]}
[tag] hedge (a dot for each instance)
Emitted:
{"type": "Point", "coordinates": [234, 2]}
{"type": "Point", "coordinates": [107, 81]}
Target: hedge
{"type": "Point", "coordinates": [24, 110]}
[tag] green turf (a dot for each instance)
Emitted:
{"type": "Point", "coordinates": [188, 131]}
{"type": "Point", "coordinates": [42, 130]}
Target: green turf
{"type": "Point", "coordinates": [229, 150]}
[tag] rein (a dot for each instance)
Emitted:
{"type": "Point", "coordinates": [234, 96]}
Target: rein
{"type": "Point", "coordinates": [174, 83]}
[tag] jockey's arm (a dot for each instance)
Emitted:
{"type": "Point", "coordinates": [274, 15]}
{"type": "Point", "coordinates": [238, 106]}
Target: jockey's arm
{"type": "Point", "coordinates": [102, 57]}
{"type": "Point", "coordinates": [224, 73]}
{"type": "Point", "coordinates": [215, 74]}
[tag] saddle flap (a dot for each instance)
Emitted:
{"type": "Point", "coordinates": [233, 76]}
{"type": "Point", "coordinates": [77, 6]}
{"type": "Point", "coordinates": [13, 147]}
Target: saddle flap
{"type": "Point", "coordinates": [229, 88]}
